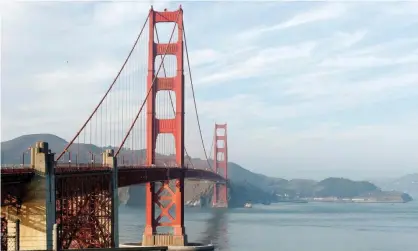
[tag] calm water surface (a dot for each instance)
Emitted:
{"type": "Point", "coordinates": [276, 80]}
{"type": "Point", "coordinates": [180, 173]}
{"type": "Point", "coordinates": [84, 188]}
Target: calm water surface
{"type": "Point", "coordinates": [295, 227]}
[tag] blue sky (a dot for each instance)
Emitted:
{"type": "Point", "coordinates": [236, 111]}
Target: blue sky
{"type": "Point", "coordinates": [308, 89]}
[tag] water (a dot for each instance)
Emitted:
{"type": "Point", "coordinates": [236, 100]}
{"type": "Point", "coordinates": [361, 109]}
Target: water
{"type": "Point", "coordinates": [296, 227]}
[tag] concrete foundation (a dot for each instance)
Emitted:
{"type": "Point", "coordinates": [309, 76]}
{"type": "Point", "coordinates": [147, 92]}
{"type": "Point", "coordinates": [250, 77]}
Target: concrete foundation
{"type": "Point", "coordinates": [189, 247]}
{"type": "Point", "coordinates": [164, 240]}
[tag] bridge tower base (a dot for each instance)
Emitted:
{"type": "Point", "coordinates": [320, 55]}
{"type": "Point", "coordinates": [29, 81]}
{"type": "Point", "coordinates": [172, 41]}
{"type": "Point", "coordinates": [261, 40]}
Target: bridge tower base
{"type": "Point", "coordinates": [189, 247]}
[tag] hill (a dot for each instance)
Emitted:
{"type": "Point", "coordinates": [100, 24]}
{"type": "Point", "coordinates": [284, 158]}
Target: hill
{"type": "Point", "coordinates": [343, 188]}
{"type": "Point", "coordinates": [407, 183]}
{"type": "Point", "coordinates": [12, 150]}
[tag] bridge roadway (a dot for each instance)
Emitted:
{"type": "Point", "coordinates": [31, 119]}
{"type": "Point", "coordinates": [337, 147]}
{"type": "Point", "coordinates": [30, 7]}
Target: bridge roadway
{"type": "Point", "coordinates": [127, 175]}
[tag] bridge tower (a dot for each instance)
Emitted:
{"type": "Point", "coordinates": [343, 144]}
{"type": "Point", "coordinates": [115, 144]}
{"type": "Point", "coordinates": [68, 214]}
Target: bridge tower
{"type": "Point", "coordinates": [220, 165]}
{"type": "Point", "coordinates": [163, 197]}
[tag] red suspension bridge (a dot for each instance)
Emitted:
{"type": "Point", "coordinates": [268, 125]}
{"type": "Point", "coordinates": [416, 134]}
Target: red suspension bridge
{"type": "Point", "coordinates": [135, 135]}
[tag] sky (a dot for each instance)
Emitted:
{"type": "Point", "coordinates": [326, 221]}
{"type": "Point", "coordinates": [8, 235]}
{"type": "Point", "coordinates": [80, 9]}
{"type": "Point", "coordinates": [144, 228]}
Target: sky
{"type": "Point", "coordinates": [308, 89]}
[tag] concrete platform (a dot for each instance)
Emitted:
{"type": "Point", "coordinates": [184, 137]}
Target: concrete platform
{"type": "Point", "coordinates": [190, 247]}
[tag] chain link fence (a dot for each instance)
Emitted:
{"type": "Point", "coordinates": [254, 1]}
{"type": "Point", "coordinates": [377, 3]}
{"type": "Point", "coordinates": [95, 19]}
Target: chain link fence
{"type": "Point", "coordinates": [9, 234]}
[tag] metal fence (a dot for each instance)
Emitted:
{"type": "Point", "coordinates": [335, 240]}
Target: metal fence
{"type": "Point", "coordinates": [3, 233]}
{"type": "Point", "coordinates": [9, 234]}
{"type": "Point", "coordinates": [162, 248]}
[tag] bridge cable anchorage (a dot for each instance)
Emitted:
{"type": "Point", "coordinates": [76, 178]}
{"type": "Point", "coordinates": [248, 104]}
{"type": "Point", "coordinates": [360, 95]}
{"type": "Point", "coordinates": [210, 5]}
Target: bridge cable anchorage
{"type": "Point", "coordinates": [149, 90]}
{"type": "Point", "coordinates": [194, 98]}
{"type": "Point", "coordinates": [171, 98]}
{"type": "Point", "coordinates": [105, 95]}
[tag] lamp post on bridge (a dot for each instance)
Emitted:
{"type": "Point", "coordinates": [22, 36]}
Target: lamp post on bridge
{"type": "Point", "coordinates": [92, 158]}
{"type": "Point", "coordinates": [69, 158]}
{"type": "Point", "coordinates": [23, 156]}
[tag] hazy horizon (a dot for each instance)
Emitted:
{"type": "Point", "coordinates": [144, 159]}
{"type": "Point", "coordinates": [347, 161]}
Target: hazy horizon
{"type": "Point", "coordinates": [314, 89]}
{"type": "Point", "coordinates": [318, 174]}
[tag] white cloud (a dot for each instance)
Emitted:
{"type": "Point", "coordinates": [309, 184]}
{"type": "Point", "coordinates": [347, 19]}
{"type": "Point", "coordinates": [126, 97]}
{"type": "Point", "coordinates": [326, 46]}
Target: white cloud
{"type": "Point", "coordinates": [113, 14]}
{"type": "Point", "coordinates": [349, 39]}
{"type": "Point", "coordinates": [367, 61]}
{"type": "Point", "coordinates": [265, 61]}
{"type": "Point", "coordinates": [204, 57]}
{"type": "Point", "coordinates": [94, 77]}
{"type": "Point", "coordinates": [253, 61]}
{"type": "Point", "coordinates": [11, 9]}
{"type": "Point", "coordinates": [402, 9]}
{"type": "Point", "coordinates": [318, 96]}
{"type": "Point", "coordinates": [327, 11]}
{"type": "Point", "coordinates": [384, 46]}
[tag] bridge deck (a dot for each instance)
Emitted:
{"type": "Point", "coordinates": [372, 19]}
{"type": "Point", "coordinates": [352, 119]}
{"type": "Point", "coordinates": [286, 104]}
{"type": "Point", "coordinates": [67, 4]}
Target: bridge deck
{"type": "Point", "coordinates": [128, 175]}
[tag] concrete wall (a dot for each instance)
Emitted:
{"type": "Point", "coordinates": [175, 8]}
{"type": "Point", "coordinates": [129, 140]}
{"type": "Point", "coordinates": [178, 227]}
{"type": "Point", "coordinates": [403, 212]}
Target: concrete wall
{"type": "Point", "coordinates": [32, 225]}
{"type": "Point", "coordinates": [32, 214]}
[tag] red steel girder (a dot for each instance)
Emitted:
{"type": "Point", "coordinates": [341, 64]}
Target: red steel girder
{"type": "Point", "coordinates": [84, 211]}
{"type": "Point", "coordinates": [14, 182]}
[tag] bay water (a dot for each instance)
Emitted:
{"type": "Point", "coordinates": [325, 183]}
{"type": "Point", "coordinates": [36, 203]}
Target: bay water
{"type": "Point", "coordinates": [294, 227]}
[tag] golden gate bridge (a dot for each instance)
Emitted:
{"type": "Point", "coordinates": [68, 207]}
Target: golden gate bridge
{"type": "Point", "coordinates": [135, 135]}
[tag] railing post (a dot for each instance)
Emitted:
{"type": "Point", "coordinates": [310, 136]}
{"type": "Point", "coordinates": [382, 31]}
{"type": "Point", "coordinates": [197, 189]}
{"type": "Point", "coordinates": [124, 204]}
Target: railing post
{"type": "Point", "coordinates": [17, 235]}
{"type": "Point", "coordinates": [115, 202]}
{"type": "Point", "coordinates": [3, 232]}
{"type": "Point", "coordinates": [55, 237]}
{"type": "Point", "coordinates": [109, 159]}
{"type": "Point", "coordinates": [50, 200]}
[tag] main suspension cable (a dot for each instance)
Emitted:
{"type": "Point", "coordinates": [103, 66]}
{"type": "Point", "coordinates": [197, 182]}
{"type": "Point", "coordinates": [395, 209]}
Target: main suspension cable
{"type": "Point", "coordinates": [171, 98]}
{"type": "Point", "coordinates": [107, 92]}
{"type": "Point", "coordinates": [149, 91]}
{"type": "Point", "coordinates": [211, 148]}
{"type": "Point", "coordinates": [194, 98]}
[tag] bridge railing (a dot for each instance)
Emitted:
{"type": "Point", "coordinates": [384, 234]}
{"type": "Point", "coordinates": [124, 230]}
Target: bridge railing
{"type": "Point", "coordinates": [144, 248]}
{"type": "Point", "coordinates": [65, 169]}
{"type": "Point", "coordinates": [98, 166]}
{"type": "Point", "coordinates": [16, 170]}
{"type": "Point", "coordinates": [14, 166]}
